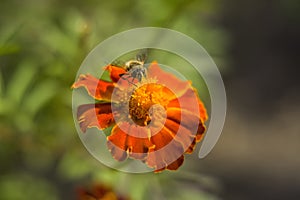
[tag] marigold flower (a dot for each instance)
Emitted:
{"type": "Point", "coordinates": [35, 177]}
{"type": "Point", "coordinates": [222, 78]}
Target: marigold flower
{"type": "Point", "coordinates": [98, 192]}
{"type": "Point", "coordinates": [156, 120]}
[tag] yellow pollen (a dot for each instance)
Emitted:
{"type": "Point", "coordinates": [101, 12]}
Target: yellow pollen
{"type": "Point", "coordinates": [142, 99]}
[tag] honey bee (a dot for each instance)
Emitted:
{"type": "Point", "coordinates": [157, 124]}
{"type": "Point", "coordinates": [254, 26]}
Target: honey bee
{"type": "Point", "coordinates": [135, 69]}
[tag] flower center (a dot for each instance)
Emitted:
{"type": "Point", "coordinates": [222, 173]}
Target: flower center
{"type": "Point", "coordinates": [141, 101]}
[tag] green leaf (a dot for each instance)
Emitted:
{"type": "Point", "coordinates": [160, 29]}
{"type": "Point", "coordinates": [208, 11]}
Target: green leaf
{"type": "Point", "coordinates": [40, 95]}
{"type": "Point", "coordinates": [73, 166]}
{"type": "Point", "coordinates": [9, 49]}
{"type": "Point", "coordinates": [1, 86]}
{"type": "Point", "coordinates": [23, 187]}
{"type": "Point", "coordinates": [20, 81]}
{"type": "Point", "coordinates": [194, 194]}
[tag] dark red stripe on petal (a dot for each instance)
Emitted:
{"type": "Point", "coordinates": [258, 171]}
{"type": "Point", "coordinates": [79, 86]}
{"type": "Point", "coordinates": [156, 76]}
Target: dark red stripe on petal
{"type": "Point", "coordinates": [176, 164]}
{"type": "Point", "coordinates": [162, 138]}
{"type": "Point", "coordinates": [115, 72]}
{"type": "Point", "coordinates": [191, 102]}
{"type": "Point", "coordinates": [191, 129]}
{"type": "Point", "coordinates": [184, 136]}
{"type": "Point", "coordinates": [186, 118]}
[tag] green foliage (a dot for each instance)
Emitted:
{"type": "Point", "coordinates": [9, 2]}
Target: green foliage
{"type": "Point", "coordinates": [24, 187]}
{"type": "Point", "coordinates": [42, 44]}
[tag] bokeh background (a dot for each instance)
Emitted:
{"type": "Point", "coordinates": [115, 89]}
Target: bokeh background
{"type": "Point", "coordinates": [255, 45]}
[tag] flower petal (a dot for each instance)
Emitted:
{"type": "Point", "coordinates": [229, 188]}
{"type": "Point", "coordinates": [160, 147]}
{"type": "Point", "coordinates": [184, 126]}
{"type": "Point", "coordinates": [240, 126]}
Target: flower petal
{"type": "Point", "coordinates": [185, 118]}
{"type": "Point", "coordinates": [187, 135]}
{"type": "Point", "coordinates": [202, 109]}
{"type": "Point", "coordinates": [138, 147]}
{"type": "Point", "coordinates": [116, 144]}
{"type": "Point", "coordinates": [122, 144]}
{"type": "Point", "coordinates": [190, 101]}
{"type": "Point", "coordinates": [181, 134]}
{"type": "Point", "coordinates": [98, 191]}
{"type": "Point", "coordinates": [98, 89]}
{"type": "Point", "coordinates": [181, 131]}
{"type": "Point", "coordinates": [198, 137]}
{"type": "Point", "coordinates": [186, 94]}
{"type": "Point", "coordinates": [115, 72]}
{"type": "Point", "coordinates": [176, 164]}
{"type": "Point", "coordinates": [169, 80]}
{"type": "Point", "coordinates": [95, 115]}
{"type": "Point", "coordinates": [166, 151]}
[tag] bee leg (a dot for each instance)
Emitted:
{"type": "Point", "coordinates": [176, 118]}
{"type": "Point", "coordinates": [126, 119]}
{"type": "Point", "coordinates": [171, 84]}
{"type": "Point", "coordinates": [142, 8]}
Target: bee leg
{"type": "Point", "coordinates": [127, 79]}
{"type": "Point", "coordinates": [140, 76]}
{"type": "Point", "coordinates": [133, 82]}
{"type": "Point", "coordinates": [122, 77]}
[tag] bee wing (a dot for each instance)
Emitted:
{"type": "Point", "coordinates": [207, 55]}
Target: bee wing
{"type": "Point", "coordinates": [142, 55]}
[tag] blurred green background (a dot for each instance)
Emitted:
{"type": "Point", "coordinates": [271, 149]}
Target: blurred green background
{"type": "Point", "coordinates": [255, 45]}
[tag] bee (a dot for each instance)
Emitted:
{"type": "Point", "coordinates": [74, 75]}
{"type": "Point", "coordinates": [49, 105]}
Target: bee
{"type": "Point", "coordinates": [135, 69]}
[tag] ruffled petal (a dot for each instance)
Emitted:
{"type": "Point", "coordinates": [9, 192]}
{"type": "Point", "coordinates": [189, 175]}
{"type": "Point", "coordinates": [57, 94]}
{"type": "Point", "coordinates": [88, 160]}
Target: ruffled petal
{"type": "Point", "coordinates": [198, 137]}
{"type": "Point", "coordinates": [122, 145]}
{"type": "Point", "coordinates": [169, 80]}
{"type": "Point", "coordinates": [95, 115]}
{"type": "Point", "coordinates": [181, 134]}
{"type": "Point", "coordinates": [172, 166]}
{"type": "Point", "coordinates": [166, 151]}
{"type": "Point", "coordinates": [182, 130]}
{"type": "Point", "coordinates": [188, 127]}
{"type": "Point", "coordinates": [115, 73]}
{"type": "Point", "coordinates": [184, 118]}
{"type": "Point", "coordinates": [203, 112]}
{"type": "Point", "coordinates": [116, 144]}
{"type": "Point", "coordinates": [176, 164]}
{"type": "Point", "coordinates": [138, 144]}
{"type": "Point", "coordinates": [185, 93]}
{"type": "Point", "coordinates": [98, 89]}
{"type": "Point", "coordinates": [121, 77]}
{"type": "Point", "coordinates": [98, 191]}
{"type": "Point", "coordinates": [191, 102]}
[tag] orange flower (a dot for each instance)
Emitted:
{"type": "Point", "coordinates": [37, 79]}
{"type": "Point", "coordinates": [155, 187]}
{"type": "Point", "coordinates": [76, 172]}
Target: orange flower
{"type": "Point", "coordinates": [156, 120]}
{"type": "Point", "coordinates": [98, 192]}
